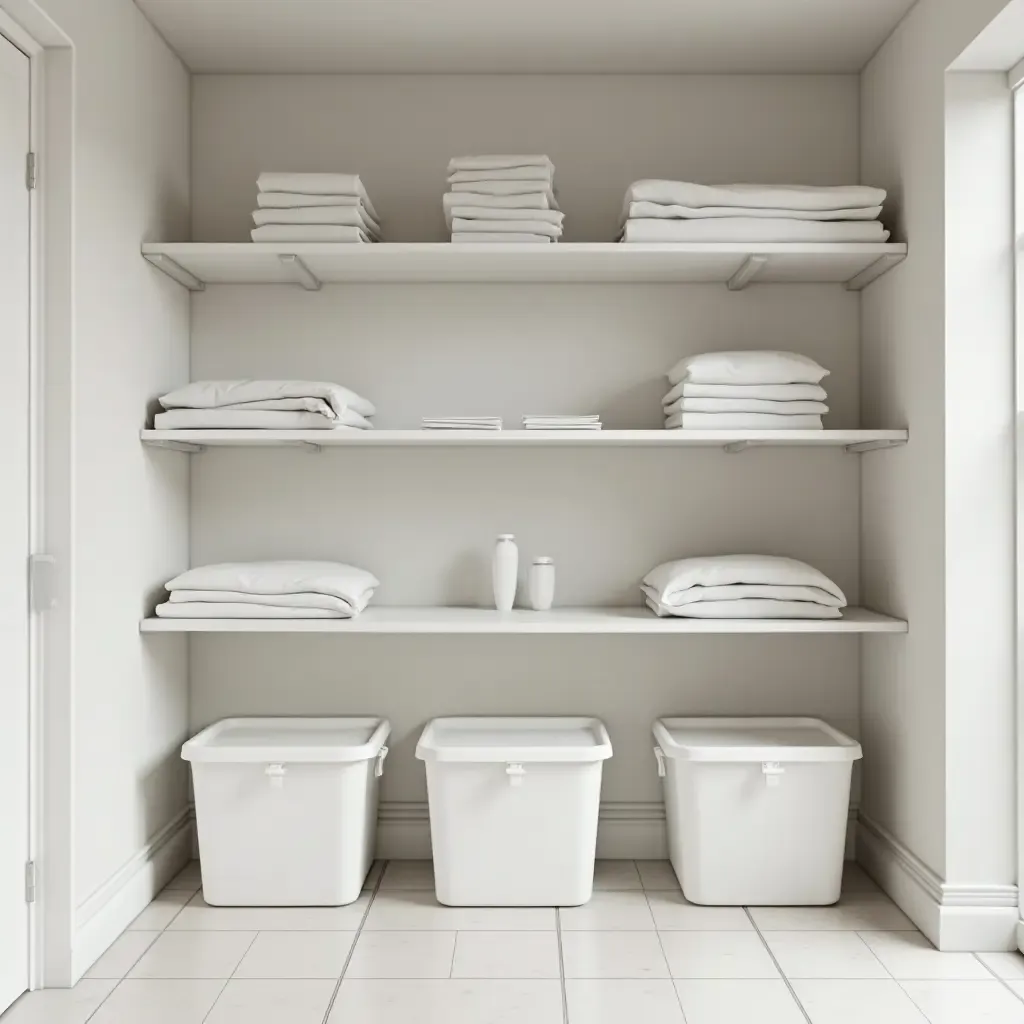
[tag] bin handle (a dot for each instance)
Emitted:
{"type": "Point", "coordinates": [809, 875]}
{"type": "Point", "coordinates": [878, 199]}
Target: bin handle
{"type": "Point", "coordinates": [515, 773]}
{"type": "Point", "coordinates": [660, 756]}
{"type": "Point", "coordinates": [772, 770]}
{"type": "Point", "coordinates": [276, 774]}
{"type": "Point", "coordinates": [378, 768]}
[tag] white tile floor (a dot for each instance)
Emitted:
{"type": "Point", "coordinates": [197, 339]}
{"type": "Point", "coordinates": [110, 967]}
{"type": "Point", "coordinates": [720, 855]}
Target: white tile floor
{"type": "Point", "coordinates": [637, 952]}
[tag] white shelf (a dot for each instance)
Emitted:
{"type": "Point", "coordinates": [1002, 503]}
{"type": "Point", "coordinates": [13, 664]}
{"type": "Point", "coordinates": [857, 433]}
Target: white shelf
{"type": "Point", "coordinates": [196, 264]}
{"type": "Point", "coordinates": [731, 440]}
{"type": "Point", "coordinates": [558, 620]}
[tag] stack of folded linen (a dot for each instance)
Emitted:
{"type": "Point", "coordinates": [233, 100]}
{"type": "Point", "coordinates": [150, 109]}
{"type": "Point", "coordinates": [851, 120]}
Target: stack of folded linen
{"type": "Point", "coordinates": [745, 391]}
{"type": "Point", "coordinates": [269, 590]}
{"type": "Point", "coordinates": [742, 587]}
{"type": "Point", "coordinates": [264, 405]}
{"type": "Point", "coordinates": [592, 422]}
{"type": "Point", "coordinates": [461, 423]}
{"type": "Point", "coordinates": [502, 199]}
{"type": "Point", "coordinates": [313, 208]}
{"type": "Point", "coordinates": [680, 211]}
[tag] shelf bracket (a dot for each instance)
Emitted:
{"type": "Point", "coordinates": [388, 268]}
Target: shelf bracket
{"type": "Point", "coordinates": [872, 446]}
{"type": "Point", "coordinates": [302, 274]}
{"type": "Point", "coordinates": [752, 266]}
{"type": "Point", "coordinates": [178, 446]}
{"type": "Point", "coordinates": [872, 272]}
{"type": "Point", "coordinates": [176, 271]}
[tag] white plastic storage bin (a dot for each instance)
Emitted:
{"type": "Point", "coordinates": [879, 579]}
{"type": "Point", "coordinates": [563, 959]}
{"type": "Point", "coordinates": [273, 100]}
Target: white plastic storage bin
{"type": "Point", "coordinates": [286, 808]}
{"type": "Point", "coordinates": [756, 808]}
{"type": "Point", "coordinates": [513, 808]}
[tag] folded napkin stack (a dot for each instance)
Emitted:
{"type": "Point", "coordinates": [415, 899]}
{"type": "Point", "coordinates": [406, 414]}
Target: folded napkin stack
{"type": "Point", "coordinates": [502, 199]}
{"type": "Point", "coordinates": [742, 587]}
{"type": "Point", "coordinates": [264, 405]}
{"type": "Point", "coordinates": [592, 422]}
{"type": "Point", "coordinates": [313, 208]}
{"type": "Point", "coordinates": [269, 590]}
{"type": "Point", "coordinates": [681, 211]}
{"type": "Point", "coordinates": [461, 423]}
{"type": "Point", "coordinates": [745, 391]}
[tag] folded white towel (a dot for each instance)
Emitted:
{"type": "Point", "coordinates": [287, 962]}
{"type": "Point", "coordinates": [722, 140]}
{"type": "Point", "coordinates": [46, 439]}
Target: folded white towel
{"type": "Point", "coordinates": [491, 213]}
{"type": "Point", "coordinates": [672, 211]}
{"type": "Point", "coordinates": [284, 405]}
{"type": "Point", "coordinates": [729, 405]}
{"type": "Point", "coordinates": [753, 229]}
{"type": "Point", "coordinates": [747, 367]}
{"type": "Point", "coordinates": [747, 608]}
{"type": "Point", "coordinates": [526, 201]}
{"type": "Point", "coordinates": [480, 237]}
{"type": "Point", "coordinates": [296, 200]}
{"type": "Point", "coordinates": [772, 197]}
{"type": "Point", "coordinates": [533, 227]}
{"type": "Point", "coordinates": [316, 184]}
{"type": "Point", "coordinates": [217, 610]}
{"type": "Point", "coordinates": [535, 174]}
{"type": "Point", "coordinates": [507, 188]}
{"type": "Point", "coordinates": [328, 602]}
{"type": "Point", "coordinates": [744, 591]}
{"type": "Point", "coordinates": [770, 392]}
{"type": "Point", "coordinates": [547, 418]}
{"type": "Point", "coordinates": [561, 426]}
{"type": "Point", "coordinates": [237, 419]}
{"type": "Point", "coordinates": [483, 421]}
{"type": "Point", "coordinates": [497, 162]}
{"type": "Point", "coordinates": [353, 216]}
{"type": "Point", "coordinates": [309, 233]}
{"type": "Point", "coordinates": [740, 421]}
{"type": "Point", "coordinates": [215, 394]}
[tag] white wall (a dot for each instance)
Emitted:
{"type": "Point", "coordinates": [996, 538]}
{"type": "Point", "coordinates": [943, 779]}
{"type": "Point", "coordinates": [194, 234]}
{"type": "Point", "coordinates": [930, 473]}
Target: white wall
{"type": "Point", "coordinates": [425, 521]}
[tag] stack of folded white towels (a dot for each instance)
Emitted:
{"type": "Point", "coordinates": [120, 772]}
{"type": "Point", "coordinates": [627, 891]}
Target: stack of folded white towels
{"type": "Point", "coordinates": [313, 208]}
{"type": "Point", "coordinates": [681, 211]}
{"type": "Point", "coordinates": [745, 391]}
{"type": "Point", "coordinates": [502, 199]}
{"type": "Point", "coordinates": [589, 422]}
{"type": "Point", "coordinates": [269, 590]}
{"type": "Point", "coordinates": [264, 405]}
{"type": "Point", "coordinates": [742, 587]}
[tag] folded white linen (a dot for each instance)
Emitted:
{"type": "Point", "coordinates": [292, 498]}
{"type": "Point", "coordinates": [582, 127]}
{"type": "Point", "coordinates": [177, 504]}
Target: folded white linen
{"type": "Point", "coordinates": [309, 233]}
{"type": "Point", "coordinates": [745, 405]}
{"type": "Point", "coordinates": [459, 421]}
{"type": "Point", "coordinates": [214, 394]}
{"type": "Point", "coordinates": [460, 426]}
{"type": "Point", "coordinates": [336, 579]}
{"type": "Point", "coordinates": [747, 367]}
{"type": "Point", "coordinates": [497, 162]}
{"type": "Point", "coordinates": [238, 419]}
{"type": "Point", "coordinates": [554, 217]}
{"type": "Point", "coordinates": [532, 227]}
{"type": "Point", "coordinates": [747, 608]}
{"type": "Point", "coordinates": [545, 418]}
{"type": "Point", "coordinates": [535, 200]}
{"type": "Point", "coordinates": [753, 229]}
{"type": "Point", "coordinates": [285, 405]}
{"type": "Point", "coordinates": [742, 591]}
{"type": "Point", "coordinates": [217, 610]}
{"type": "Point", "coordinates": [772, 197]}
{"type": "Point", "coordinates": [296, 200]}
{"type": "Point", "coordinates": [561, 426]}
{"type": "Point", "coordinates": [770, 392]}
{"type": "Point", "coordinates": [326, 601]}
{"type": "Point", "coordinates": [499, 236]}
{"type": "Point", "coordinates": [353, 216]}
{"type": "Point", "coordinates": [672, 579]}
{"type": "Point", "coordinates": [316, 184]}
{"type": "Point", "coordinates": [672, 211]}
{"type": "Point", "coordinates": [507, 188]}
{"type": "Point", "coordinates": [542, 174]}
{"type": "Point", "coordinates": [740, 421]}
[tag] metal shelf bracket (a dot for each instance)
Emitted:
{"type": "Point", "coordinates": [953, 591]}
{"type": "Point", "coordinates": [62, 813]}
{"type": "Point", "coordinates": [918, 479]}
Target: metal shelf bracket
{"type": "Point", "coordinates": [752, 266]}
{"type": "Point", "coordinates": [302, 274]}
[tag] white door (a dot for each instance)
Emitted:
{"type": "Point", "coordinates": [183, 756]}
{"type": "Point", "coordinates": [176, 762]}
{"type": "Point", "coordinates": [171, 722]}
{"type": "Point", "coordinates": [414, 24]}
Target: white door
{"type": "Point", "coordinates": [14, 521]}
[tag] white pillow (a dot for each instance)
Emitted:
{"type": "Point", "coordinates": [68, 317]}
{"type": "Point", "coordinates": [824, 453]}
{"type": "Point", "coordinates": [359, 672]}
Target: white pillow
{"type": "Point", "coordinates": [333, 578]}
{"type": "Point", "coordinates": [747, 368]}
{"type": "Point", "coordinates": [212, 394]}
{"type": "Point", "coordinates": [741, 592]}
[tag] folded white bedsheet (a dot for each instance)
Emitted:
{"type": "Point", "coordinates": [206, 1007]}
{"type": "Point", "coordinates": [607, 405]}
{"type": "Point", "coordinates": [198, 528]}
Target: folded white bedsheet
{"type": "Point", "coordinates": [492, 213]}
{"type": "Point", "coordinates": [217, 610]}
{"type": "Point", "coordinates": [536, 200]}
{"type": "Point", "coordinates": [326, 602]}
{"type": "Point", "coordinates": [309, 233]}
{"type": "Point", "coordinates": [747, 608]}
{"type": "Point", "coordinates": [747, 367]}
{"type": "Point", "coordinates": [542, 174]}
{"type": "Point", "coordinates": [295, 200]}
{"type": "Point", "coordinates": [769, 392]}
{"type": "Point", "coordinates": [507, 188]}
{"type": "Point", "coordinates": [316, 184]}
{"type": "Point", "coordinates": [285, 405]}
{"type": "Point", "coordinates": [753, 229]}
{"type": "Point", "coordinates": [353, 216]}
{"type": "Point", "coordinates": [532, 227]}
{"type": "Point", "coordinates": [772, 197]}
{"type": "Point", "coordinates": [270, 419]}
{"type": "Point", "coordinates": [499, 236]}
{"type": "Point", "coordinates": [672, 211]}
{"type": "Point", "coordinates": [730, 405]}
{"type": "Point", "coordinates": [744, 591]}
{"type": "Point", "coordinates": [215, 394]}
{"type": "Point", "coordinates": [497, 162]}
{"type": "Point", "coordinates": [740, 421]}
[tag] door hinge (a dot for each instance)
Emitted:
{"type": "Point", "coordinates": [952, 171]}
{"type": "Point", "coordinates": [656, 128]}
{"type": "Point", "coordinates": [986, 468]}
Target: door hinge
{"type": "Point", "coordinates": [42, 584]}
{"type": "Point", "coordinates": [30, 170]}
{"type": "Point", "coordinates": [30, 882]}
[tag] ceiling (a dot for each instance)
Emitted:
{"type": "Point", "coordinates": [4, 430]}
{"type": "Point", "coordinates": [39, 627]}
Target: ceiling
{"type": "Point", "coordinates": [525, 36]}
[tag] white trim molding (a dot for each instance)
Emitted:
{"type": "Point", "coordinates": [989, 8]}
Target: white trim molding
{"type": "Point", "coordinates": [966, 917]}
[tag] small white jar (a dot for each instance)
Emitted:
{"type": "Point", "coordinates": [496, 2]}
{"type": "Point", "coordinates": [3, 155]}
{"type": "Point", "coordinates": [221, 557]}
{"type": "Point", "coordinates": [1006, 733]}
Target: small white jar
{"type": "Point", "coordinates": [542, 584]}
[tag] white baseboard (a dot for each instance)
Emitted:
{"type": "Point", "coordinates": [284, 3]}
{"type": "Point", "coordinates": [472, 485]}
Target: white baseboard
{"type": "Point", "coordinates": [969, 918]}
{"type": "Point", "coordinates": [112, 907]}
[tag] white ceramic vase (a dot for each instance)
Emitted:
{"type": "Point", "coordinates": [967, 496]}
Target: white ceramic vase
{"type": "Point", "coordinates": [542, 584]}
{"type": "Point", "coordinates": [505, 572]}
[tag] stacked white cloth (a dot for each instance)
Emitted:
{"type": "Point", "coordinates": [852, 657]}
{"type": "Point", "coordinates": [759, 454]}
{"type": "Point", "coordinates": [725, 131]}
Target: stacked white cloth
{"type": "Point", "coordinates": [590, 422]}
{"type": "Point", "coordinates": [681, 211]}
{"type": "Point", "coordinates": [269, 590]}
{"type": "Point", "coordinates": [461, 423]}
{"type": "Point", "coordinates": [264, 405]}
{"type": "Point", "coordinates": [502, 199]}
{"type": "Point", "coordinates": [745, 391]}
{"type": "Point", "coordinates": [742, 587]}
{"type": "Point", "coordinates": [313, 208]}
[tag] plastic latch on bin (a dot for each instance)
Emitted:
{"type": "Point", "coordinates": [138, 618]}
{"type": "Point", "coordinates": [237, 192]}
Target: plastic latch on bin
{"type": "Point", "coordinates": [378, 768]}
{"type": "Point", "coordinates": [276, 774]}
{"type": "Point", "coordinates": [515, 773]}
{"type": "Point", "coordinates": [659, 755]}
{"type": "Point", "coordinates": [772, 770]}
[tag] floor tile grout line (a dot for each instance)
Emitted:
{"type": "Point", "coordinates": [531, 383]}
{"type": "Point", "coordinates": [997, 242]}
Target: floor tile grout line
{"type": "Point", "coordinates": [1001, 980]}
{"type": "Point", "coordinates": [355, 940]}
{"type": "Point", "coordinates": [455, 946]}
{"type": "Point", "coordinates": [561, 966]}
{"type": "Point", "coordinates": [778, 966]}
{"type": "Point", "coordinates": [668, 966]}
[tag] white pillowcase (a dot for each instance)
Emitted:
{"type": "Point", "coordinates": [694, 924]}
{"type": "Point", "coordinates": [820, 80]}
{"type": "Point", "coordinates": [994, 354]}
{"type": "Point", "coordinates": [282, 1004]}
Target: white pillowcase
{"type": "Point", "coordinates": [747, 368]}
{"type": "Point", "coordinates": [747, 608]}
{"type": "Point", "coordinates": [739, 592]}
{"type": "Point", "coordinates": [212, 394]}
{"type": "Point", "coordinates": [768, 392]}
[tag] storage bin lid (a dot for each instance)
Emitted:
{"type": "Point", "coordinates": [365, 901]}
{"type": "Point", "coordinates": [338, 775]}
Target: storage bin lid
{"type": "Point", "coordinates": [753, 739]}
{"type": "Point", "coordinates": [292, 740]}
{"type": "Point", "coordinates": [514, 739]}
